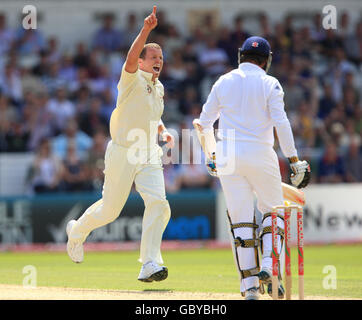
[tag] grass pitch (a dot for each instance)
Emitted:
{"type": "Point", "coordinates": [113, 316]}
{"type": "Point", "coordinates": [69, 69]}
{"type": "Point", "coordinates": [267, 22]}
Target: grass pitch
{"type": "Point", "coordinates": [331, 270]}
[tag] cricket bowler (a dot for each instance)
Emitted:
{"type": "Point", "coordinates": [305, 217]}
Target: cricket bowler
{"type": "Point", "coordinates": [134, 156]}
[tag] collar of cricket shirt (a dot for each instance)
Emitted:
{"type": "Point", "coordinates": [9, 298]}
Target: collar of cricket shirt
{"type": "Point", "coordinates": [248, 66]}
{"type": "Point", "coordinates": [148, 76]}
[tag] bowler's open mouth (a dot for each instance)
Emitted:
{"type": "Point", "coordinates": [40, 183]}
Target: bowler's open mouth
{"type": "Point", "coordinates": [156, 69]}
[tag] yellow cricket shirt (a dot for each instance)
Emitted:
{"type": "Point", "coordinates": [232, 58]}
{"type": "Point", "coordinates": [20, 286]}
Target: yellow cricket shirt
{"type": "Point", "coordinates": [134, 121]}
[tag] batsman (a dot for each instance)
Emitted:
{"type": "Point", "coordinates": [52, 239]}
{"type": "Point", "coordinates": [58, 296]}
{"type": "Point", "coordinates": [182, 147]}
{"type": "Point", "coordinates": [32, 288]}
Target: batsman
{"type": "Point", "coordinates": [249, 103]}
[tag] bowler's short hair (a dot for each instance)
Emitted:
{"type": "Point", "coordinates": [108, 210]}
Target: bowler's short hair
{"type": "Point", "coordinates": [148, 45]}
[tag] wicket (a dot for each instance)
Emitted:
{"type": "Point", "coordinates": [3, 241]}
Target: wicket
{"type": "Point", "coordinates": [287, 238]}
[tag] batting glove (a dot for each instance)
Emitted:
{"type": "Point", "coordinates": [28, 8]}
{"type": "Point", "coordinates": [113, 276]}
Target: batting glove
{"type": "Point", "coordinates": [300, 176]}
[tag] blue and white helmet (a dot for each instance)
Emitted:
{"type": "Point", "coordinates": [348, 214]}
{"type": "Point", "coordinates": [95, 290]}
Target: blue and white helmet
{"type": "Point", "coordinates": [258, 46]}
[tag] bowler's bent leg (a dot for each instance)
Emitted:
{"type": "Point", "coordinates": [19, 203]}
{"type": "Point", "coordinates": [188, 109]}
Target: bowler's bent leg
{"type": "Point", "coordinates": [150, 184]}
{"type": "Point", "coordinates": [118, 179]}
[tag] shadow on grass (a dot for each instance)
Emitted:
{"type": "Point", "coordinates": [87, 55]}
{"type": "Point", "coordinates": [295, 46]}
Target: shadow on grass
{"type": "Point", "coordinates": [158, 290]}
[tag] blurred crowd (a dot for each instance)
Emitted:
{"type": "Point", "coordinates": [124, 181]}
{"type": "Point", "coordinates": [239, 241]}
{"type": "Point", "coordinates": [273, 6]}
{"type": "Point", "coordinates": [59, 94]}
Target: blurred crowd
{"type": "Point", "coordinates": [57, 104]}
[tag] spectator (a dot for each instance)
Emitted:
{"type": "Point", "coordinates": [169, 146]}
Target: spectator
{"type": "Point", "coordinates": [7, 36]}
{"type": "Point", "coordinates": [72, 135]}
{"type": "Point", "coordinates": [193, 113]}
{"type": "Point", "coordinates": [92, 120]}
{"type": "Point", "coordinates": [209, 25]}
{"type": "Point", "coordinates": [10, 84]}
{"type": "Point", "coordinates": [8, 117]}
{"type": "Point", "coordinates": [61, 109]}
{"type": "Point", "coordinates": [8, 113]}
{"type": "Point", "coordinates": [198, 41]}
{"type": "Point", "coordinates": [330, 43]}
{"type": "Point", "coordinates": [353, 161]}
{"type": "Point", "coordinates": [130, 31]}
{"type": "Point", "coordinates": [294, 93]}
{"type": "Point", "coordinates": [194, 175]}
{"type": "Point", "coordinates": [107, 38]}
{"type": "Point", "coordinates": [189, 53]}
{"type": "Point", "coordinates": [316, 30]}
{"type": "Point", "coordinates": [162, 24]}
{"type": "Point", "coordinates": [281, 40]}
{"type": "Point", "coordinates": [326, 103]}
{"type": "Point", "coordinates": [67, 70]}
{"type": "Point", "coordinates": [115, 63]}
{"type": "Point", "coordinates": [94, 64]}
{"type": "Point", "coordinates": [353, 44]}
{"type": "Point", "coordinates": [75, 174]}
{"type": "Point", "coordinates": [42, 127]}
{"type": "Point", "coordinates": [173, 40]}
{"type": "Point", "coordinates": [331, 168]}
{"type": "Point", "coordinates": [237, 37]}
{"type": "Point", "coordinates": [224, 42]}
{"type": "Point", "coordinates": [265, 30]}
{"type": "Point", "coordinates": [29, 41]}
{"type": "Point", "coordinates": [31, 82]}
{"type": "Point", "coordinates": [350, 82]}
{"type": "Point", "coordinates": [349, 135]}
{"type": "Point", "coordinates": [81, 80]}
{"type": "Point", "coordinates": [303, 125]}
{"type": "Point", "coordinates": [81, 56]}
{"type": "Point", "coordinates": [176, 69]}
{"type": "Point", "coordinates": [171, 115]}
{"type": "Point", "coordinates": [344, 26]}
{"type": "Point", "coordinates": [46, 171]}
{"type": "Point", "coordinates": [53, 79]}
{"type": "Point", "coordinates": [213, 59]}
{"type": "Point", "coordinates": [82, 99]}
{"type": "Point", "coordinates": [41, 68]}
{"type": "Point", "coordinates": [17, 138]}
{"type": "Point", "coordinates": [189, 98]}
{"type": "Point", "coordinates": [349, 101]}
{"type": "Point", "coordinates": [53, 49]}
{"type": "Point", "coordinates": [281, 69]}
{"type": "Point", "coordinates": [108, 104]}
{"type": "Point", "coordinates": [95, 159]}
{"type": "Point", "coordinates": [103, 81]}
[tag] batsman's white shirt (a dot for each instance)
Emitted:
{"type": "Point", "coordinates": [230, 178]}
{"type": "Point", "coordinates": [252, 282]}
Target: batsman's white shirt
{"type": "Point", "coordinates": [133, 156]}
{"type": "Point", "coordinates": [249, 102]}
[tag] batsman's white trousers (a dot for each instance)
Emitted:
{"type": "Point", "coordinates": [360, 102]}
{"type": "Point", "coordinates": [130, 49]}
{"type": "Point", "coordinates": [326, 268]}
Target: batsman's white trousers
{"type": "Point", "coordinates": [250, 167]}
{"type": "Point", "coordinates": [123, 166]}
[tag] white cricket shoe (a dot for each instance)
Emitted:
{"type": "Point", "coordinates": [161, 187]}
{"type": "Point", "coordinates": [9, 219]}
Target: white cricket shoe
{"type": "Point", "coordinates": [252, 294]}
{"type": "Point", "coordinates": [74, 248]}
{"type": "Point", "coordinates": [151, 271]}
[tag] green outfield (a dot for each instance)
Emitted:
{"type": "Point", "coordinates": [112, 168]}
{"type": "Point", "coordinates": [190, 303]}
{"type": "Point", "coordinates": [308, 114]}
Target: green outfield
{"type": "Point", "coordinates": [199, 270]}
